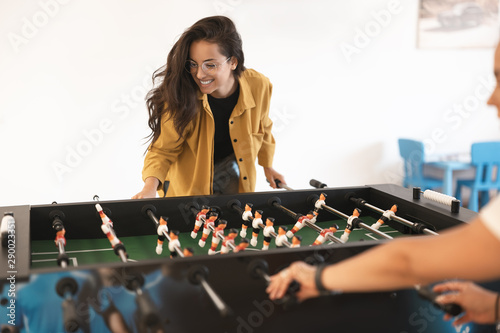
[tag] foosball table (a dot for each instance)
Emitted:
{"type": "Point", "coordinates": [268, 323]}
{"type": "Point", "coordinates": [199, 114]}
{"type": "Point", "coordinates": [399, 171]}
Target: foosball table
{"type": "Point", "coordinates": [191, 264]}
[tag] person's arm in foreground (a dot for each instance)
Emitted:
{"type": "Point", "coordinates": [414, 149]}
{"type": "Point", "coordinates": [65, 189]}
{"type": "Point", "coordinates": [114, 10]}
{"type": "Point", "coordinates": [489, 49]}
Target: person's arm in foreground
{"type": "Point", "coordinates": [469, 252]}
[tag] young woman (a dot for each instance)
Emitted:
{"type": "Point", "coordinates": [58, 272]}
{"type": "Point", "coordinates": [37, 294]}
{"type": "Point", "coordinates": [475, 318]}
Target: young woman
{"type": "Point", "coordinates": [209, 117]}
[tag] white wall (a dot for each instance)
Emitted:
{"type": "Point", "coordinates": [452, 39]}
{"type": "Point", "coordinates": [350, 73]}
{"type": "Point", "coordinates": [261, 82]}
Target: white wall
{"type": "Point", "coordinates": [73, 75]}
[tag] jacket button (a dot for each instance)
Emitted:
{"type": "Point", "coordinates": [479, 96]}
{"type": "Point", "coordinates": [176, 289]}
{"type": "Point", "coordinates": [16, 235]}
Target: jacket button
{"type": "Point", "coordinates": [245, 178]}
{"type": "Point", "coordinates": [235, 140]}
{"type": "Point", "coordinates": [241, 160]}
{"type": "Point", "coordinates": [231, 122]}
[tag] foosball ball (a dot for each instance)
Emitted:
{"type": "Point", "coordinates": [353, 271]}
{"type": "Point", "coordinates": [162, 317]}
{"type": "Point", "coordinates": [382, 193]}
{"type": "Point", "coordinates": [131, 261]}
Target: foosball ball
{"type": "Point", "coordinates": [190, 264]}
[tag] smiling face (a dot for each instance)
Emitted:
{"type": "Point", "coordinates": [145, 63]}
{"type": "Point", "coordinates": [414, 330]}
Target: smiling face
{"type": "Point", "coordinates": [495, 96]}
{"type": "Point", "coordinates": [221, 83]}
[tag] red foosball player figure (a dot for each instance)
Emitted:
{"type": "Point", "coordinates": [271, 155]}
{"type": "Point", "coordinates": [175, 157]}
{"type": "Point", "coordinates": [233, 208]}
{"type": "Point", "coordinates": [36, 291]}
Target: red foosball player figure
{"type": "Point", "coordinates": [296, 240]}
{"type": "Point", "coordinates": [242, 245]}
{"type": "Point", "coordinates": [229, 239]}
{"type": "Point", "coordinates": [281, 236]}
{"type": "Point", "coordinates": [219, 230]}
{"type": "Point", "coordinates": [257, 221]}
{"type": "Point", "coordinates": [350, 226]}
{"type": "Point", "coordinates": [317, 205]}
{"type": "Point", "coordinates": [386, 216]}
{"type": "Point", "coordinates": [267, 232]}
{"type": "Point", "coordinates": [300, 223]}
{"type": "Point", "coordinates": [104, 218]}
{"type": "Point", "coordinates": [323, 235]}
{"type": "Point", "coordinates": [60, 237]}
{"type": "Point", "coordinates": [247, 214]}
{"type": "Point", "coordinates": [200, 219]}
{"type": "Point", "coordinates": [162, 227]}
{"type": "Point", "coordinates": [174, 241]}
{"type": "Point", "coordinates": [188, 252]}
{"type": "Point", "coordinates": [206, 228]}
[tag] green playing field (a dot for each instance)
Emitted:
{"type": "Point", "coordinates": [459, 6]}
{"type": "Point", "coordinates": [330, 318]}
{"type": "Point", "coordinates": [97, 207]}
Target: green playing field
{"type": "Point", "coordinates": [91, 251]}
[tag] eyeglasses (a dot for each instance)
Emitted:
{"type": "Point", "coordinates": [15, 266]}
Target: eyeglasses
{"type": "Point", "coordinates": [208, 67]}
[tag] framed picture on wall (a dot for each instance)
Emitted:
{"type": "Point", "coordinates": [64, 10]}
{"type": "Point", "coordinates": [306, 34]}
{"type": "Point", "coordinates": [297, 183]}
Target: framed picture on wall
{"type": "Point", "coordinates": [458, 24]}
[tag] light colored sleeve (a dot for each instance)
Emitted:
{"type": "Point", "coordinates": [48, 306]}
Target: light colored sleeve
{"type": "Point", "coordinates": [490, 216]}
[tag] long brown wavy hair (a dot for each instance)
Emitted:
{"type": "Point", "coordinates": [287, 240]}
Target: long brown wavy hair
{"type": "Point", "coordinates": [177, 89]}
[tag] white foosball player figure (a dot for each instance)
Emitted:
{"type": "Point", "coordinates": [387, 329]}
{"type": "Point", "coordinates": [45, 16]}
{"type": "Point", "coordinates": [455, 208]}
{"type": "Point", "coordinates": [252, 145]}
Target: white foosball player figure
{"type": "Point", "coordinates": [267, 232]}
{"type": "Point", "coordinates": [246, 216]}
{"type": "Point", "coordinates": [350, 225]}
{"type": "Point", "coordinates": [257, 221]}
{"type": "Point", "coordinates": [386, 216]}
{"type": "Point", "coordinates": [161, 230]}
{"type": "Point", "coordinates": [281, 238]}
{"type": "Point", "coordinates": [174, 241]}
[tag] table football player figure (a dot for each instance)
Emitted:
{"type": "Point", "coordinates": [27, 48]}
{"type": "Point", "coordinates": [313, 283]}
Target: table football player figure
{"type": "Point", "coordinates": [200, 219]}
{"type": "Point", "coordinates": [246, 216]}
{"type": "Point", "coordinates": [323, 235]}
{"type": "Point", "coordinates": [296, 240]}
{"type": "Point", "coordinates": [162, 227]}
{"type": "Point", "coordinates": [257, 221]}
{"type": "Point", "coordinates": [350, 225]}
{"type": "Point", "coordinates": [206, 228]}
{"type": "Point", "coordinates": [267, 232]}
{"type": "Point", "coordinates": [188, 252]}
{"type": "Point", "coordinates": [386, 216]}
{"type": "Point", "coordinates": [317, 205]}
{"type": "Point", "coordinates": [174, 241]}
{"type": "Point", "coordinates": [218, 231]}
{"type": "Point", "coordinates": [281, 238]}
{"type": "Point", "coordinates": [242, 245]}
{"type": "Point", "coordinates": [300, 223]}
{"type": "Point", "coordinates": [60, 237]}
{"type": "Point", "coordinates": [229, 239]}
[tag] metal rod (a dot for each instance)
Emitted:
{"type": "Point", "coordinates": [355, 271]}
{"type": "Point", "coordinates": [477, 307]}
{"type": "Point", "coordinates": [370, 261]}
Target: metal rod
{"type": "Point", "coordinates": [410, 224]}
{"type": "Point", "coordinates": [334, 211]}
{"type": "Point", "coordinates": [123, 255]}
{"type": "Point", "coordinates": [375, 231]}
{"type": "Point", "coordinates": [310, 224]}
{"type": "Point", "coordinates": [62, 251]}
{"type": "Point", "coordinates": [218, 302]}
{"type": "Point", "coordinates": [360, 224]}
{"type": "Point", "coordinates": [264, 275]}
{"type": "Point", "coordinates": [319, 230]}
{"type": "Point", "coordinates": [221, 237]}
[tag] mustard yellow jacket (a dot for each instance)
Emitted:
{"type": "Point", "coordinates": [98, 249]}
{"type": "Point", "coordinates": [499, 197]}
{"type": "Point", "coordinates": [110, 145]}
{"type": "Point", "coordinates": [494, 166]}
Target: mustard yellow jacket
{"type": "Point", "coordinates": [188, 163]}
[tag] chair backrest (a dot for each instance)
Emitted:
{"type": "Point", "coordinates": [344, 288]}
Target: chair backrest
{"type": "Point", "coordinates": [485, 156]}
{"type": "Point", "coordinates": [412, 152]}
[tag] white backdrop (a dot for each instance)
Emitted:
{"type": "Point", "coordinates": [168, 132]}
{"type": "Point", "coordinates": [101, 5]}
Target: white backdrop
{"type": "Point", "coordinates": [348, 82]}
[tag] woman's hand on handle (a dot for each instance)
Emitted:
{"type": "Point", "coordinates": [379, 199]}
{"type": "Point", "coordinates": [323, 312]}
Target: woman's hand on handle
{"type": "Point", "coordinates": [271, 175]}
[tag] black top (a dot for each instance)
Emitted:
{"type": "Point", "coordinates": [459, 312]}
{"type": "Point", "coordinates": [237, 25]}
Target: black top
{"type": "Point", "coordinates": [221, 110]}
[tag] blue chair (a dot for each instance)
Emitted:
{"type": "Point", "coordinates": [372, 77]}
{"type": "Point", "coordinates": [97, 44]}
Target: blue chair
{"type": "Point", "coordinates": [412, 152]}
{"type": "Point", "coordinates": [485, 157]}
